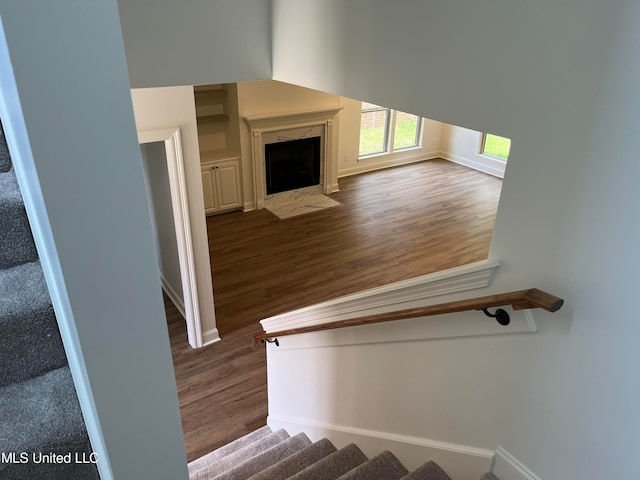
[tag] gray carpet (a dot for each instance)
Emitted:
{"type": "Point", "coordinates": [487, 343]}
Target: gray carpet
{"type": "Point", "coordinates": [16, 242]}
{"type": "Point", "coordinates": [489, 476]}
{"type": "Point", "coordinates": [39, 410]}
{"type": "Point", "coordinates": [265, 455]}
{"type": "Point", "coordinates": [428, 471]}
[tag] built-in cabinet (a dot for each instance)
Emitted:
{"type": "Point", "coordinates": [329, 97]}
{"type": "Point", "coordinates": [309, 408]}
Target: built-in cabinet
{"type": "Point", "coordinates": [221, 185]}
{"type": "Point", "coordinates": [219, 141]}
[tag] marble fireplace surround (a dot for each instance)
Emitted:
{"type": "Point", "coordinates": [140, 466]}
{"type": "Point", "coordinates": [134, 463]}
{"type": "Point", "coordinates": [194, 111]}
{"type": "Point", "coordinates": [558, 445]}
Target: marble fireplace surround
{"type": "Point", "coordinates": [280, 127]}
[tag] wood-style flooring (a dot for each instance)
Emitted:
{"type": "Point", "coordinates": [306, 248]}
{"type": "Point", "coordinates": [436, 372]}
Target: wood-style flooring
{"type": "Point", "coordinates": [392, 225]}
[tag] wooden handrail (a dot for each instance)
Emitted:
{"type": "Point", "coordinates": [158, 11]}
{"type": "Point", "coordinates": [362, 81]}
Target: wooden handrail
{"type": "Point", "coordinates": [519, 300]}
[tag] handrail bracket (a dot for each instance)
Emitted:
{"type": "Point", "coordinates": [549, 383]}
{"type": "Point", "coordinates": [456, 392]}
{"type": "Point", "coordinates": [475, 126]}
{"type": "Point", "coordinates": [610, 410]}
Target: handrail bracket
{"type": "Point", "coordinates": [501, 316]}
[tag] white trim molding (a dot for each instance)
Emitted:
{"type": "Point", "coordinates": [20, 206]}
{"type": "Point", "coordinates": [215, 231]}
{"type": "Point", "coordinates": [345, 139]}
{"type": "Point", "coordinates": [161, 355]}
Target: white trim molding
{"type": "Point", "coordinates": [210, 337]}
{"type": "Point", "coordinates": [181, 218]}
{"type": "Point", "coordinates": [480, 162]}
{"type": "Point", "coordinates": [381, 162]}
{"type": "Point", "coordinates": [173, 295]}
{"type": "Point", "coordinates": [506, 467]}
{"type": "Point", "coordinates": [459, 461]}
{"type": "Point", "coordinates": [411, 293]}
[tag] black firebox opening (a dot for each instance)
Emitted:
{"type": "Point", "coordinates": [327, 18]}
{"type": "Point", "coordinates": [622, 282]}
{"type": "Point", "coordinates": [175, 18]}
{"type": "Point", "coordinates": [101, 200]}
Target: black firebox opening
{"type": "Point", "coordinates": [292, 164]}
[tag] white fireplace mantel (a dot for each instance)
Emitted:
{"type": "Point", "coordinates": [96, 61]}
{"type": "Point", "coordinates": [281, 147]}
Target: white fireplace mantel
{"type": "Point", "coordinates": [283, 122]}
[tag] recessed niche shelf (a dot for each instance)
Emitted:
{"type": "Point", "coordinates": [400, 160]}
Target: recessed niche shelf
{"type": "Point", "coordinates": [207, 156]}
{"type": "Point", "coordinates": [219, 143]}
{"type": "Point", "coordinates": [209, 119]}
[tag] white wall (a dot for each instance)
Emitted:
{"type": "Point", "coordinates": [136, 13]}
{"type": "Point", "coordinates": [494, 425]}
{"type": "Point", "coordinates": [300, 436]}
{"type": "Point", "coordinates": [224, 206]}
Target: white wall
{"type": "Point", "coordinates": [566, 80]}
{"type": "Point", "coordinates": [196, 42]}
{"type": "Point", "coordinates": [67, 111]}
{"type": "Point", "coordinates": [170, 107]}
{"type": "Point", "coordinates": [154, 164]}
{"type": "Point", "coordinates": [463, 146]}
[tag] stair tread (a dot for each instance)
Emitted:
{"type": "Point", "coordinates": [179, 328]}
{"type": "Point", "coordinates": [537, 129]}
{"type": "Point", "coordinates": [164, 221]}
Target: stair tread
{"type": "Point", "coordinates": [16, 240]}
{"type": "Point", "coordinates": [384, 466]}
{"type": "Point", "coordinates": [297, 462]}
{"type": "Point", "coordinates": [227, 449]}
{"type": "Point", "coordinates": [334, 465]}
{"type": "Point", "coordinates": [489, 476]}
{"type": "Point", "coordinates": [41, 414]}
{"type": "Point", "coordinates": [30, 343]}
{"type": "Point", "coordinates": [5, 157]}
{"type": "Point", "coordinates": [9, 189]}
{"type": "Point", "coordinates": [267, 458]}
{"type": "Point", "coordinates": [225, 463]}
{"type": "Point", "coordinates": [427, 471]}
{"type": "Point", "coordinates": [23, 290]}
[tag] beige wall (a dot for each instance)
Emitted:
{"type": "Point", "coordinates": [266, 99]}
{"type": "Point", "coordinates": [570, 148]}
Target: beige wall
{"type": "Point", "coordinates": [272, 97]}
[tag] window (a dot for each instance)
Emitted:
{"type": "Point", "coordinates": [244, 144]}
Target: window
{"type": "Point", "coordinates": [496, 146]}
{"type": "Point", "coordinates": [383, 130]}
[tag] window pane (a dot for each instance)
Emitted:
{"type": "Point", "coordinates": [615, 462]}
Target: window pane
{"type": "Point", "coordinates": [406, 134]}
{"type": "Point", "coordinates": [496, 146]}
{"type": "Point", "coordinates": [373, 126]}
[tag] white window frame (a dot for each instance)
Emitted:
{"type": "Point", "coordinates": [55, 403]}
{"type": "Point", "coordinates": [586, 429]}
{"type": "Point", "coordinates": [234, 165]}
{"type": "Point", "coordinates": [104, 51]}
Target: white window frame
{"type": "Point", "coordinates": [481, 152]}
{"type": "Point", "coordinates": [390, 131]}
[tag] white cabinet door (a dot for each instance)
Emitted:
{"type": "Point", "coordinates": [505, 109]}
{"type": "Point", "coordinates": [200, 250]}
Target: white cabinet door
{"type": "Point", "coordinates": [228, 185]}
{"type": "Point", "coordinates": [210, 204]}
{"type": "Point", "coordinates": [221, 186]}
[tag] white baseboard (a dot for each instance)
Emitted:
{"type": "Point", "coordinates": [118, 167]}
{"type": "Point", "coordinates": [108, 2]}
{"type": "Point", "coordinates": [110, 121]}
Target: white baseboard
{"type": "Point", "coordinates": [177, 300]}
{"type": "Point", "coordinates": [506, 467]}
{"type": "Point", "coordinates": [481, 163]}
{"type": "Point", "coordinates": [210, 337]}
{"type": "Point", "coordinates": [461, 462]}
{"type": "Point", "coordinates": [385, 161]}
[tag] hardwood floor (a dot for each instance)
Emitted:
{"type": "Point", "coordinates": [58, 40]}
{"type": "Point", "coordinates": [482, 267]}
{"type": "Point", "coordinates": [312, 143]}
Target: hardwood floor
{"type": "Point", "coordinates": [222, 388]}
{"type": "Point", "coordinates": [392, 225]}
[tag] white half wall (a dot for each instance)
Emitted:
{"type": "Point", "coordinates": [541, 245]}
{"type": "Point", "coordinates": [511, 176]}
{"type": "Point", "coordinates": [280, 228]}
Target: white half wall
{"type": "Point", "coordinates": [171, 107]}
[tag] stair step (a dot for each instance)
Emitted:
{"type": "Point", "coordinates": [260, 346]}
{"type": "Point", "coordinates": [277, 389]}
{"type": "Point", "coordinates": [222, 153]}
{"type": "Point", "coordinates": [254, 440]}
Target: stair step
{"type": "Point", "coordinates": [297, 462]}
{"type": "Point", "coordinates": [16, 241]}
{"type": "Point", "coordinates": [428, 471]}
{"type": "Point", "coordinates": [5, 158]}
{"type": "Point", "coordinates": [30, 343]}
{"type": "Point", "coordinates": [42, 414]}
{"type": "Point", "coordinates": [239, 456]}
{"type": "Point", "coordinates": [228, 449]}
{"type": "Point", "coordinates": [267, 458]}
{"type": "Point", "coordinates": [489, 476]}
{"type": "Point", "coordinates": [384, 466]}
{"type": "Point", "coordinates": [334, 465]}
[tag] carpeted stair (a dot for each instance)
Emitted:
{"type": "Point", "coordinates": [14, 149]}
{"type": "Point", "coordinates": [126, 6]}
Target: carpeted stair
{"type": "Point", "coordinates": [39, 410]}
{"type": "Point", "coordinates": [268, 455]}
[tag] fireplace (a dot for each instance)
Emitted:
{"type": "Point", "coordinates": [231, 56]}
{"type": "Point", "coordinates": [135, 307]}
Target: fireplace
{"type": "Point", "coordinates": [292, 164]}
{"type": "Point", "coordinates": [293, 152]}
